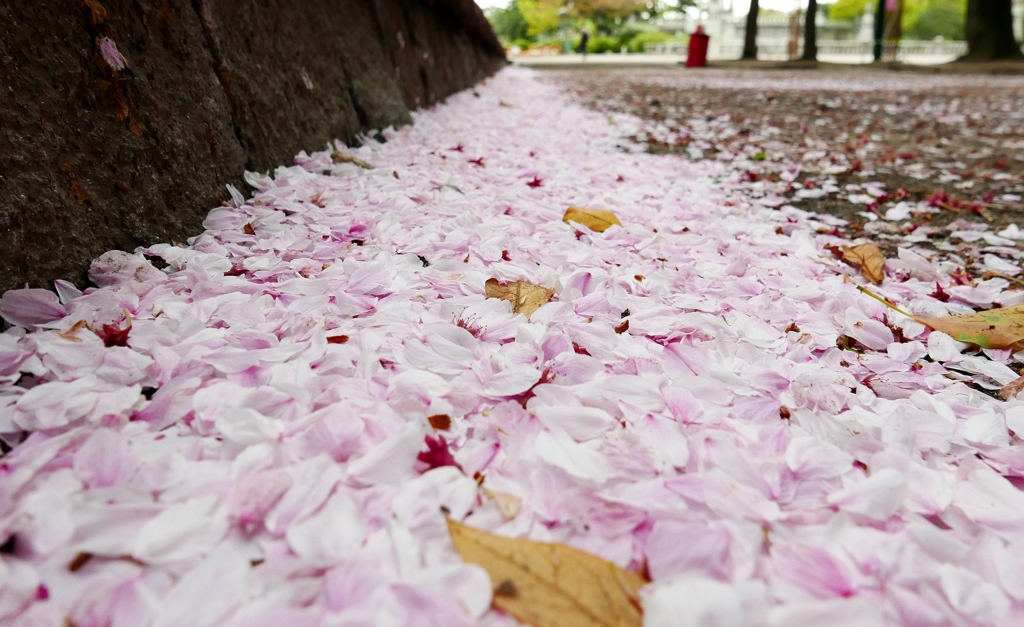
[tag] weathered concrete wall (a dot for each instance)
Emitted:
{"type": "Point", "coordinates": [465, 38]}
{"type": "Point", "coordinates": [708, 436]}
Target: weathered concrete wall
{"type": "Point", "coordinates": [93, 158]}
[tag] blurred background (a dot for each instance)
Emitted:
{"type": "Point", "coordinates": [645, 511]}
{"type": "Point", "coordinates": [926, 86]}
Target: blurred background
{"type": "Point", "coordinates": [927, 31]}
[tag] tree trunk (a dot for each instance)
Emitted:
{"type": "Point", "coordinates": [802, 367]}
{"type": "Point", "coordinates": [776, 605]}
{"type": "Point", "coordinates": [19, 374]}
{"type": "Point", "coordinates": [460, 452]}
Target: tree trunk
{"type": "Point", "coordinates": [811, 32]}
{"type": "Point", "coordinates": [879, 29]}
{"type": "Point", "coordinates": [893, 32]}
{"type": "Point", "coordinates": [990, 31]}
{"type": "Point", "coordinates": [750, 41]}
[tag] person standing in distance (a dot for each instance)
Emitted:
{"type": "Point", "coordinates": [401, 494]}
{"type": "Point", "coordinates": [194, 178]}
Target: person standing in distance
{"type": "Point", "coordinates": [584, 37]}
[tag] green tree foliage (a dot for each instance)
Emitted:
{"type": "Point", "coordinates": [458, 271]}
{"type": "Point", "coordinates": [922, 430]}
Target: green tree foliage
{"type": "Point", "coordinates": [922, 19]}
{"type": "Point", "coordinates": [509, 23]}
{"type": "Point", "coordinates": [541, 16]}
{"type": "Point", "coordinates": [847, 9]}
{"type": "Point", "coordinates": [618, 20]}
{"type": "Point", "coordinates": [945, 18]}
{"type": "Point", "coordinates": [609, 8]}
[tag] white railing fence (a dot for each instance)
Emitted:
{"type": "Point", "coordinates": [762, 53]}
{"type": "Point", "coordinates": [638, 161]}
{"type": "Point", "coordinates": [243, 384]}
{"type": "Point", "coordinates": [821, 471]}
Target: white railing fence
{"type": "Point", "coordinates": [777, 50]}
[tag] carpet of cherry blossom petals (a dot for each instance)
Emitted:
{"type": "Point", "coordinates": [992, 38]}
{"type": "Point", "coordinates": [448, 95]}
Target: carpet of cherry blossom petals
{"type": "Point", "coordinates": [270, 428]}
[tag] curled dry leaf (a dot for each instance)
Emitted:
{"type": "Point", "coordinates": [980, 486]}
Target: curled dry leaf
{"type": "Point", "coordinates": [552, 585]}
{"type": "Point", "coordinates": [599, 220]}
{"type": "Point", "coordinates": [343, 157]}
{"type": "Point", "coordinates": [868, 258]}
{"type": "Point", "coordinates": [526, 298]}
{"type": "Point", "coordinates": [1012, 389]}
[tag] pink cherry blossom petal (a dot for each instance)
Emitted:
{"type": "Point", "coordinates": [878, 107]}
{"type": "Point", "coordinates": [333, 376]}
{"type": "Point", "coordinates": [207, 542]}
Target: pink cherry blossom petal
{"type": "Point", "coordinates": [317, 379]}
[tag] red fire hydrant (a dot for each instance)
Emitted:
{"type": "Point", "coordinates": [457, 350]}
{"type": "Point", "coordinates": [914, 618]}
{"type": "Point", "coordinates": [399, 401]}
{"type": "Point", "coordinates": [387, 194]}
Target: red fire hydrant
{"type": "Point", "coordinates": [697, 52]}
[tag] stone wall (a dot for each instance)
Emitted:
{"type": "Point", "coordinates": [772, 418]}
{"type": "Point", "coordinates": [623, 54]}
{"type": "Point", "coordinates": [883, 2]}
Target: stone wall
{"type": "Point", "coordinates": [95, 157]}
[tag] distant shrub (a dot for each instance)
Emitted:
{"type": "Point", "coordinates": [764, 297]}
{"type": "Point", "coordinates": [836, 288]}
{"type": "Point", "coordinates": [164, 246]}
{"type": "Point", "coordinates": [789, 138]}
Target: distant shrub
{"type": "Point", "coordinates": [548, 42]}
{"type": "Point", "coordinates": [522, 43]}
{"type": "Point", "coordinates": [599, 44]}
{"type": "Point", "coordinates": [627, 32]}
{"type": "Point", "coordinates": [638, 43]}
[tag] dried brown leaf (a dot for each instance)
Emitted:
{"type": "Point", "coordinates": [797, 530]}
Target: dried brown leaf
{"type": "Point", "coordinates": [599, 220]}
{"type": "Point", "coordinates": [1012, 389]}
{"type": "Point", "coordinates": [248, 230]}
{"type": "Point", "coordinates": [868, 258]}
{"type": "Point", "coordinates": [552, 585]}
{"type": "Point", "coordinates": [343, 157]}
{"type": "Point", "coordinates": [526, 298]}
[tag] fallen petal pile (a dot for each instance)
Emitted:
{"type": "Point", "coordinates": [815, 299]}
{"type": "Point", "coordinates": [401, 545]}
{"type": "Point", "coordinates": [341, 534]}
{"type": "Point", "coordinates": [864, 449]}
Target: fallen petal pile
{"type": "Point", "coordinates": [272, 428]}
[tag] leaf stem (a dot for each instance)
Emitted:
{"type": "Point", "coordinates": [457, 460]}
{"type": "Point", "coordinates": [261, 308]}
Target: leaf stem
{"type": "Point", "coordinates": [884, 301]}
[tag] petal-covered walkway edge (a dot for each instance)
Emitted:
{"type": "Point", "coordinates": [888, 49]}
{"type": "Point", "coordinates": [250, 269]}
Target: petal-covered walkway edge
{"type": "Point", "coordinates": [272, 429]}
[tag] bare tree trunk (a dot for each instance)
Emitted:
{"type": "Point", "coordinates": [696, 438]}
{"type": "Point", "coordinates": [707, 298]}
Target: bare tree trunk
{"type": "Point", "coordinates": [811, 32]}
{"type": "Point", "coordinates": [879, 29]}
{"type": "Point", "coordinates": [990, 31]}
{"type": "Point", "coordinates": [750, 40]}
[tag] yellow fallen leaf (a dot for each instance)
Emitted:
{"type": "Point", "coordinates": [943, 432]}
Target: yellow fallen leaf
{"type": "Point", "coordinates": [552, 585]}
{"type": "Point", "coordinates": [526, 298]}
{"type": "Point", "coordinates": [994, 328]}
{"type": "Point", "coordinates": [868, 258]}
{"type": "Point", "coordinates": [599, 220]}
{"type": "Point", "coordinates": [343, 157]}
